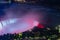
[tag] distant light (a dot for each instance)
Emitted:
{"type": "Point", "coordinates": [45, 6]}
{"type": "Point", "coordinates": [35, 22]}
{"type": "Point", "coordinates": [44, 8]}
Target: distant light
{"type": "Point", "coordinates": [35, 23]}
{"type": "Point", "coordinates": [20, 34]}
{"type": "Point", "coordinates": [58, 28]}
{"type": "Point", "coordinates": [58, 39]}
{"type": "Point", "coordinates": [59, 25]}
{"type": "Point", "coordinates": [49, 39]}
{"type": "Point", "coordinates": [48, 29]}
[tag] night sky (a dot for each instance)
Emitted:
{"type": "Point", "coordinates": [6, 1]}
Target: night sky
{"type": "Point", "coordinates": [48, 11]}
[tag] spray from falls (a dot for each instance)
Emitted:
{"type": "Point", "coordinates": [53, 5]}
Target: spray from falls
{"type": "Point", "coordinates": [17, 21]}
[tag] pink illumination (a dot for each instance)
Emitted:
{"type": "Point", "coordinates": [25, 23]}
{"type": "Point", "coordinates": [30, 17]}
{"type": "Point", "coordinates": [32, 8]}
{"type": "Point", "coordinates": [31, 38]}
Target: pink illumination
{"type": "Point", "coordinates": [35, 23]}
{"type": "Point", "coordinates": [16, 21]}
{"type": "Point", "coordinates": [40, 26]}
{"type": "Point", "coordinates": [18, 25]}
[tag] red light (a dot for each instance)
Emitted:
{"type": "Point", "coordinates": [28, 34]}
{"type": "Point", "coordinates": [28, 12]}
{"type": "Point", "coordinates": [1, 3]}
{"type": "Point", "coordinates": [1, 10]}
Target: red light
{"type": "Point", "coordinates": [40, 25]}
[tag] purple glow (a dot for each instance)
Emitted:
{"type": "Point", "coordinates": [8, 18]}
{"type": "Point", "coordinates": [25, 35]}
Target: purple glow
{"type": "Point", "coordinates": [19, 25]}
{"type": "Point", "coordinates": [16, 21]}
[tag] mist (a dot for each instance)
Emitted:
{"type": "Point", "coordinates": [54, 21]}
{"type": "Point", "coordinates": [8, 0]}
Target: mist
{"type": "Point", "coordinates": [23, 16]}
